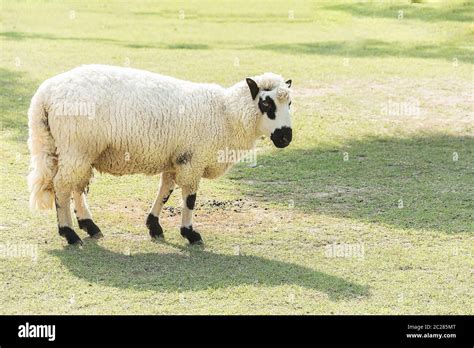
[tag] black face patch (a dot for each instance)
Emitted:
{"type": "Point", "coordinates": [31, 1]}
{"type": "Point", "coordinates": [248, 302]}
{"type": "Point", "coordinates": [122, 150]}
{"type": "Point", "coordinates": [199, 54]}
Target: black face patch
{"type": "Point", "coordinates": [191, 201]}
{"type": "Point", "coordinates": [267, 106]}
{"type": "Point", "coordinates": [282, 137]}
{"type": "Point", "coordinates": [184, 158]}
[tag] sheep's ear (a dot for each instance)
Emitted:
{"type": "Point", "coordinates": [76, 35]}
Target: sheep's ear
{"type": "Point", "coordinates": [253, 87]}
{"type": "Point", "coordinates": [288, 83]}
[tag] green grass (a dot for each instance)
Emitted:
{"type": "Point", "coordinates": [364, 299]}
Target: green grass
{"type": "Point", "coordinates": [404, 195]}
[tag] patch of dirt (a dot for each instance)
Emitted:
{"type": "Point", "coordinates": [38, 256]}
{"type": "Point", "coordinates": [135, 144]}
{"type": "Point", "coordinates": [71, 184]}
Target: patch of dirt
{"type": "Point", "coordinates": [238, 204]}
{"type": "Point", "coordinates": [171, 211]}
{"type": "Point", "coordinates": [229, 215]}
{"type": "Point", "coordinates": [137, 210]}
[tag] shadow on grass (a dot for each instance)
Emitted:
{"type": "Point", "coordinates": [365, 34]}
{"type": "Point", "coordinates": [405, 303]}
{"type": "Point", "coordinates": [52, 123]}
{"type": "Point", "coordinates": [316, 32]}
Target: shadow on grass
{"type": "Point", "coordinates": [18, 36]}
{"type": "Point", "coordinates": [461, 13]}
{"type": "Point", "coordinates": [373, 48]}
{"type": "Point", "coordinates": [179, 46]}
{"type": "Point", "coordinates": [194, 269]}
{"type": "Point", "coordinates": [16, 91]}
{"type": "Point", "coordinates": [413, 183]}
{"type": "Point", "coordinates": [251, 17]}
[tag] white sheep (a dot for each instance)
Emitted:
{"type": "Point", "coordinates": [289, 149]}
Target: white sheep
{"type": "Point", "coordinates": [125, 121]}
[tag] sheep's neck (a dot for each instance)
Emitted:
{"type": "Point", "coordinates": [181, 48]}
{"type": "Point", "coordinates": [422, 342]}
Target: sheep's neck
{"type": "Point", "coordinates": [241, 119]}
{"type": "Point", "coordinates": [241, 136]}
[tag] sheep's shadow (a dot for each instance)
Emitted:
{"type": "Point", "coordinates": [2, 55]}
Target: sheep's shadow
{"type": "Point", "coordinates": [196, 269]}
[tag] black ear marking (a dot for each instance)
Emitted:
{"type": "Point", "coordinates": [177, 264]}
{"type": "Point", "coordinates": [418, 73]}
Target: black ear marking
{"type": "Point", "coordinates": [253, 87]}
{"type": "Point", "coordinates": [288, 83]}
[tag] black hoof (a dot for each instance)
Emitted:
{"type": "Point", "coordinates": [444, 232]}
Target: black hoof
{"type": "Point", "coordinates": [192, 236]}
{"type": "Point", "coordinates": [71, 236]}
{"type": "Point", "coordinates": [158, 238]}
{"type": "Point", "coordinates": [78, 244]}
{"type": "Point", "coordinates": [98, 235]}
{"type": "Point", "coordinates": [156, 232]}
{"type": "Point", "coordinates": [90, 227]}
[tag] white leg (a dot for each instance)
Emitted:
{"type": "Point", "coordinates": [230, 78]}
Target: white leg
{"type": "Point", "coordinates": [84, 216]}
{"type": "Point", "coordinates": [167, 185]}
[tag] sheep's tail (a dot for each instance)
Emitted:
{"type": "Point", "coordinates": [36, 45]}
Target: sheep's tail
{"type": "Point", "coordinates": [43, 158]}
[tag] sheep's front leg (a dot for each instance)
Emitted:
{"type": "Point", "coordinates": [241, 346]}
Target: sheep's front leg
{"type": "Point", "coordinates": [188, 175]}
{"type": "Point", "coordinates": [166, 188]}
{"type": "Point", "coordinates": [189, 201]}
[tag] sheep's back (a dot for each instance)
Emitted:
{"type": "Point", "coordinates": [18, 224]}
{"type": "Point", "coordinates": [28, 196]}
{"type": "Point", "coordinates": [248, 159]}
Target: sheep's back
{"type": "Point", "coordinates": [111, 115]}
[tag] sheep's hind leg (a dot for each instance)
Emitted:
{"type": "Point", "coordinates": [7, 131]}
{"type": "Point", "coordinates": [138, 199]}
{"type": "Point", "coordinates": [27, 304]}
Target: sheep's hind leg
{"type": "Point", "coordinates": [62, 192]}
{"type": "Point", "coordinates": [84, 216]}
{"type": "Point", "coordinates": [167, 185]}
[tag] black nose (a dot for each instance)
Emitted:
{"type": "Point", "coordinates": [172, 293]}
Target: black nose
{"type": "Point", "coordinates": [281, 137]}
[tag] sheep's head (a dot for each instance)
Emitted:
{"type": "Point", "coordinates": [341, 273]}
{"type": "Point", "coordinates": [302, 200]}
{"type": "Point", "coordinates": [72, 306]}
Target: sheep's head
{"type": "Point", "coordinates": [273, 99]}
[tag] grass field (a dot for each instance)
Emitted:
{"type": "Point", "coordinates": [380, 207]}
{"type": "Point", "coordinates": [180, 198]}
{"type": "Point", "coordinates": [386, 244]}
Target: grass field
{"type": "Point", "coordinates": [368, 211]}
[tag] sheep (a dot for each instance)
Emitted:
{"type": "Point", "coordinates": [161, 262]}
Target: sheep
{"type": "Point", "coordinates": [125, 121]}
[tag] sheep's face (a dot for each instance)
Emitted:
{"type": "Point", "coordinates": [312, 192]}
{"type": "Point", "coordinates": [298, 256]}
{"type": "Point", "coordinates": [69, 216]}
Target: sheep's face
{"type": "Point", "coordinates": [275, 118]}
